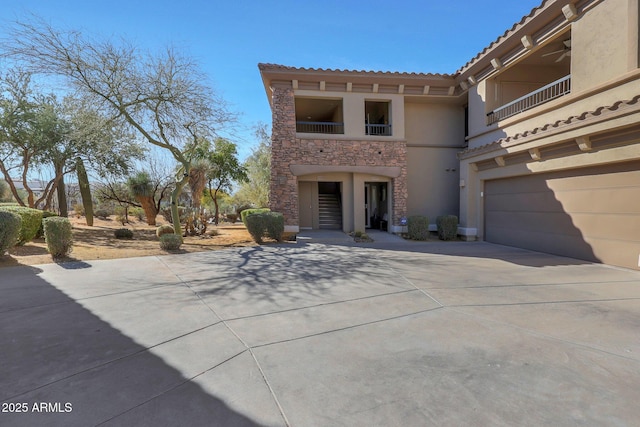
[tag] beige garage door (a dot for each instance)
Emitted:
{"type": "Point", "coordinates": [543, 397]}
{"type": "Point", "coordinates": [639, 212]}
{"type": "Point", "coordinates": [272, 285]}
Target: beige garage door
{"type": "Point", "coordinates": [591, 214]}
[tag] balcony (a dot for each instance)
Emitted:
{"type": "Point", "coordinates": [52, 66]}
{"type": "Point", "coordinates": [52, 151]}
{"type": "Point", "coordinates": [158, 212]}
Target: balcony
{"type": "Point", "coordinates": [320, 127]}
{"type": "Point", "coordinates": [546, 93]}
{"type": "Point", "coordinates": [378, 130]}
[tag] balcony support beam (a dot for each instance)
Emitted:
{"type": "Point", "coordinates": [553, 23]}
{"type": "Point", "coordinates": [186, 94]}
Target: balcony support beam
{"type": "Point", "coordinates": [584, 143]}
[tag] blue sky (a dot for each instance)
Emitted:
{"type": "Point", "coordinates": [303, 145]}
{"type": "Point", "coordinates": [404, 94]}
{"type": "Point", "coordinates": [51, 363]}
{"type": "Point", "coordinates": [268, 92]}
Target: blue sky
{"type": "Point", "coordinates": [229, 38]}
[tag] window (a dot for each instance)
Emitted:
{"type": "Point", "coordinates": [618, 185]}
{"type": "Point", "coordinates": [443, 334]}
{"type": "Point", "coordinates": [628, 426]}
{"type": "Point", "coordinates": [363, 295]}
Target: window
{"type": "Point", "coordinates": [319, 115]}
{"type": "Point", "coordinates": [377, 118]}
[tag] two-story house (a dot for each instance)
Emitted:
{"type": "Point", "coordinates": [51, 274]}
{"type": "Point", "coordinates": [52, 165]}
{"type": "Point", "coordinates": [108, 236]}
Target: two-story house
{"type": "Point", "coordinates": [533, 143]}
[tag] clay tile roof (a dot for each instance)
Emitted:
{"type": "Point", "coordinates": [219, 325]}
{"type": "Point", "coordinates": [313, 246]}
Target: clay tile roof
{"type": "Point", "coordinates": [506, 34]}
{"type": "Point", "coordinates": [285, 68]}
{"type": "Point", "coordinates": [625, 106]}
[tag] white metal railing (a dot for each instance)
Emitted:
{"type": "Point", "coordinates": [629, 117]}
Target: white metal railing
{"type": "Point", "coordinates": [319, 127]}
{"type": "Point", "coordinates": [384, 130]}
{"type": "Point", "coordinates": [546, 93]}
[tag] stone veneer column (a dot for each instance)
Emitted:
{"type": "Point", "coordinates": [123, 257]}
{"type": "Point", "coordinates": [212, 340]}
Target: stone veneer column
{"type": "Point", "coordinates": [400, 192]}
{"type": "Point", "coordinates": [283, 195]}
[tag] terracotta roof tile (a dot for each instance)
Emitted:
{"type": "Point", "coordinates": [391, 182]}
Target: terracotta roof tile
{"type": "Point", "coordinates": [277, 67]}
{"type": "Point", "coordinates": [556, 125]}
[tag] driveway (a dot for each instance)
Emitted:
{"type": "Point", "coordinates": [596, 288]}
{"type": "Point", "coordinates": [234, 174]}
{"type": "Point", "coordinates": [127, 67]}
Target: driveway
{"type": "Point", "coordinates": [391, 333]}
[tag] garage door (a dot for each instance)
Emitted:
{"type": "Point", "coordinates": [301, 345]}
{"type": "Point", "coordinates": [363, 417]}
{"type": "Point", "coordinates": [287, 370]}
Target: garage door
{"type": "Point", "coordinates": [591, 214]}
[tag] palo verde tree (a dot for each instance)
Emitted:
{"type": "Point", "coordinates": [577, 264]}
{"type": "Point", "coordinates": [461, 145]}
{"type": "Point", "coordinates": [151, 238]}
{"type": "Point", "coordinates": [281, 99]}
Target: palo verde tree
{"type": "Point", "coordinates": [163, 97]}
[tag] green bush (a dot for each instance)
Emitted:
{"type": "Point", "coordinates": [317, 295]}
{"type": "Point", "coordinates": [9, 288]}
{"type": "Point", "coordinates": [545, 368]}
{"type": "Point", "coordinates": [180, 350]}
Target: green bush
{"type": "Point", "coordinates": [275, 225]}
{"type": "Point", "coordinates": [45, 214]}
{"type": "Point", "coordinates": [137, 212]}
{"type": "Point", "coordinates": [418, 227]}
{"type": "Point", "coordinates": [164, 229]}
{"type": "Point", "coordinates": [245, 213]}
{"type": "Point", "coordinates": [9, 230]}
{"type": "Point", "coordinates": [447, 227]}
{"type": "Point", "coordinates": [102, 213]}
{"type": "Point", "coordinates": [57, 234]}
{"type": "Point", "coordinates": [170, 242]}
{"type": "Point", "coordinates": [31, 220]}
{"type": "Point", "coordinates": [232, 218]}
{"type": "Point", "coordinates": [123, 233]}
{"type": "Point", "coordinates": [269, 224]}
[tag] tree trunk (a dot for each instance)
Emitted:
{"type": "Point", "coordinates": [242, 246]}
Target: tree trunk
{"type": "Point", "coordinates": [215, 203]}
{"type": "Point", "coordinates": [149, 206]}
{"type": "Point", "coordinates": [175, 214]}
{"type": "Point", "coordinates": [61, 190]}
{"type": "Point", "coordinates": [85, 191]}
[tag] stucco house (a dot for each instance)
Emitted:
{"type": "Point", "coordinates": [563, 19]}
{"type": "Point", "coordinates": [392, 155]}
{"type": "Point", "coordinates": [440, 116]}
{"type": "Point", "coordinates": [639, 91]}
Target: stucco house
{"type": "Point", "coordinates": [533, 143]}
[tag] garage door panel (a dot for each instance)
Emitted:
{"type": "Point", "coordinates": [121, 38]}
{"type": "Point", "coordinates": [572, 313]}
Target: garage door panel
{"type": "Point", "coordinates": [610, 200]}
{"type": "Point", "coordinates": [515, 202]}
{"type": "Point", "coordinates": [545, 242]}
{"type": "Point", "coordinates": [591, 213]}
{"type": "Point", "coordinates": [535, 222]}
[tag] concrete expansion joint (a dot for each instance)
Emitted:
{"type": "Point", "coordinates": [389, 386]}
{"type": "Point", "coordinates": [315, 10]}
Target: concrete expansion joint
{"type": "Point", "coordinates": [162, 393]}
{"type": "Point", "coordinates": [116, 360]}
{"type": "Point", "coordinates": [346, 328]}
{"type": "Point", "coordinates": [543, 335]}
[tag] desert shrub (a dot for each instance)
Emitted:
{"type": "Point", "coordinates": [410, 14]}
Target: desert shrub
{"type": "Point", "coordinates": [164, 229]}
{"type": "Point", "coordinates": [232, 218]}
{"type": "Point", "coordinates": [270, 224]}
{"type": "Point", "coordinates": [102, 213]}
{"type": "Point", "coordinates": [137, 212]}
{"type": "Point", "coordinates": [418, 227]}
{"type": "Point", "coordinates": [57, 234]}
{"type": "Point", "coordinates": [123, 233]}
{"type": "Point", "coordinates": [31, 220]}
{"type": "Point", "coordinates": [447, 227]}
{"type": "Point", "coordinates": [78, 208]}
{"type": "Point", "coordinates": [247, 212]}
{"type": "Point", "coordinates": [45, 214]}
{"type": "Point", "coordinates": [9, 230]}
{"type": "Point", "coordinates": [170, 242]}
{"type": "Point", "coordinates": [358, 234]}
{"type": "Point", "coordinates": [183, 213]}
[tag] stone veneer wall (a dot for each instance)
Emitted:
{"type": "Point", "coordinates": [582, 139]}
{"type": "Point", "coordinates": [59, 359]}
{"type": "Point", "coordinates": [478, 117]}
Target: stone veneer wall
{"type": "Point", "coordinates": [288, 150]}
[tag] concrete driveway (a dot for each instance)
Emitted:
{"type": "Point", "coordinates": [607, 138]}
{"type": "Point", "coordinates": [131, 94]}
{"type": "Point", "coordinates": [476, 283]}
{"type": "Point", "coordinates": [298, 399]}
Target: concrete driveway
{"type": "Point", "coordinates": [386, 334]}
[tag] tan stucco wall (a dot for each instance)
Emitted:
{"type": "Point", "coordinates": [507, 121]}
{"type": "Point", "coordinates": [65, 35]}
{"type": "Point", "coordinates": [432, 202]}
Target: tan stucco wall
{"type": "Point", "coordinates": [602, 40]}
{"type": "Point", "coordinates": [354, 117]}
{"type": "Point", "coordinates": [432, 167]}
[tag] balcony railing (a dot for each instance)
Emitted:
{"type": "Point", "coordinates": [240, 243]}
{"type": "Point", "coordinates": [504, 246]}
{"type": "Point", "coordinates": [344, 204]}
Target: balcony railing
{"type": "Point", "coordinates": [544, 94]}
{"type": "Point", "coordinates": [320, 127]}
{"type": "Point", "coordinates": [384, 130]}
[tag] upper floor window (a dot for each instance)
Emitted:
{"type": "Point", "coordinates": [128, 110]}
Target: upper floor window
{"type": "Point", "coordinates": [377, 115]}
{"type": "Point", "coordinates": [319, 115]}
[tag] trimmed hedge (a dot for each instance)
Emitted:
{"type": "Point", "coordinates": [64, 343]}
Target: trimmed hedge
{"type": "Point", "coordinates": [170, 242]}
{"type": "Point", "coordinates": [31, 221]}
{"type": "Point", "coordinates": [245, 213]}
{"type": "Point", "coordinates": [269, 224]}
{"type": "Point", "coordinates": [418, 227]}
{"type": "Point", "coordinates": [57, 234]}
{"type": "Point", "coordinates": [45, 214]}
{"type": "Point", "coordinates": [447, 227]}
{"type": "Point", "coordinates": [9, 230]}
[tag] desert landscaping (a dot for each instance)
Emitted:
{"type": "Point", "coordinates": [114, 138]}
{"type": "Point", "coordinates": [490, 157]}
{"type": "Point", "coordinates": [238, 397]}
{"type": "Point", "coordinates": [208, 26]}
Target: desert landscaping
{"type": "Point", "coordinates": [99, 242]}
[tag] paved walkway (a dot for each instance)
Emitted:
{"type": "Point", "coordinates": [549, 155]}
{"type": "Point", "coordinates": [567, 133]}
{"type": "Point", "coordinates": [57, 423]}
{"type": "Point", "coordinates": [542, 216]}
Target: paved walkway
{"type": "Point", "coordinates": [313, 334]}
